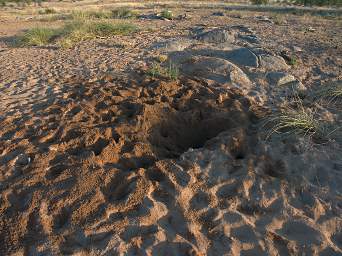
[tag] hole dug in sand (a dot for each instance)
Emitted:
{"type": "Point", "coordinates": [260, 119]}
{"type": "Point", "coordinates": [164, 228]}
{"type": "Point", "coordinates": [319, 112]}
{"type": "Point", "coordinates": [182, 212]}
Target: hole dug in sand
{"type": "Point", "coordinates": [192, 128]}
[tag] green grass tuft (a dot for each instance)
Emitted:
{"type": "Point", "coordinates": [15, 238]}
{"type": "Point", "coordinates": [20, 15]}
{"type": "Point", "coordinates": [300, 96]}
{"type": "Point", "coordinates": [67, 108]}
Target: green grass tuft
{"type": "Point", "coordinates": [105, 29]}
{"type": "Point", "coordinates": [37, 37]}
{"type": "Point", "coordinates": [171, 71]}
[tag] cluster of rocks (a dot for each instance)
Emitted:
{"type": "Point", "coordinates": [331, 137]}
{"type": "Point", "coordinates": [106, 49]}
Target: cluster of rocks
{"type": "Point", "coordinates": [232, 56]}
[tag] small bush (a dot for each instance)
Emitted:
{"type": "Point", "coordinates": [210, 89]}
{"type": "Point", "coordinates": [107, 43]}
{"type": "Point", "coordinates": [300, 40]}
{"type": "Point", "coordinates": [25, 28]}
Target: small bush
{"type": "Point", "coordinates": [259, 2]}
{"type": "Point", "coordinates": [166, 14]}
{"type": "Point", "coordinates": [37, 37]}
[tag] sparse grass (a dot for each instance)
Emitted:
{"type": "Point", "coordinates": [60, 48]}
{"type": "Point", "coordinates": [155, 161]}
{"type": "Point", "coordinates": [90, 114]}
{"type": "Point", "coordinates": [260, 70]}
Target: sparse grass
{"type": "Point", "coordinates": [319, 2]}
{"type": "Point", "coordinates": [155, 70]}
{"type": "Point", "coordinates": [171, 71]}
{"type": "Point", "coordinates": [105, 29]}
{"type": "Point", "coordinates": [47, 11]}
{"type": "Point", "coordinates": [37, 36]}
{"type": "Point", "coordinates": [332, 92]}
{"type": "Point", "coordinates": [297, 119]}
{"type": "Point", "coordinates": [73, 32]}
{"type": "Point", "coordinates": [88, 15]}
{"type": "Point", "coordinates": [123, 13]}
{"type": "Point", "coordinates": [293, 61]}
{"type": "Point", "coordinates": [278, 19]}
{"type": "Point", "coordinates": [79, 31]}
{"type": "Point", "coordinates": [166, 14]}
{"type": "Point", "coordinates": [259, 2]}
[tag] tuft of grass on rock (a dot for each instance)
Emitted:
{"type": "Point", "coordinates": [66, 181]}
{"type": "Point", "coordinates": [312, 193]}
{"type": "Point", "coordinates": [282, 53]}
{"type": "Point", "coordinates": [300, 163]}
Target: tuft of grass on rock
{"type": "Point", "coordinates": [39, 36]}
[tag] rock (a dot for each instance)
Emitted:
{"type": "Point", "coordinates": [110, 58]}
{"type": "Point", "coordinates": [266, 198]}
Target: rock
{"type": "Point", "coordinates": [216, 36]}
{"type": "Point", "coordinates": [311, 29]}
{"type": "Point", "coordinates": [218, 14]}
{"type": "Point", "coordinates": [243, 57]}
{"type": "Point", "coordinates": [265, 19]}
{"type": "Point", "coordinates": [274, 63]}
{"type": "Point", "coordinates": [279, 78]}
{"type": "Point", "coordinates": [215, 69]}
{"type": "Point", "coordinates": [290, 89]}
{"type": "Point", "coordinates": [250, 39]}
{"type": "Point", "coordinates": [172, 45]}
{"type": "Point", "coordinates": [242, 28]}
{"type": "Point", "coordinates": [297, 49]}
{"type": "Point", "coordinates": [22, 160]}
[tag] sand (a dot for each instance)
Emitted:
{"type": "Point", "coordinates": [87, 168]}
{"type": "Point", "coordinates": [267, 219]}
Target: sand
{"type": "Point", "coordinates": [106, 160]}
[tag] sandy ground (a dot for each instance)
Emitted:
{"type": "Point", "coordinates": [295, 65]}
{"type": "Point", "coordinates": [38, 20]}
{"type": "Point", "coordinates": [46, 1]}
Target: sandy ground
{"type": "Point", "coordinates": [98, 158]}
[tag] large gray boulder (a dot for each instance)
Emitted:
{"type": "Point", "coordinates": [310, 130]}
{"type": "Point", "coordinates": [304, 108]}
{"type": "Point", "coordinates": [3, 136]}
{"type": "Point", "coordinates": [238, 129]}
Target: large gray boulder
{"type": "Point", "coordinates": [217, 70]}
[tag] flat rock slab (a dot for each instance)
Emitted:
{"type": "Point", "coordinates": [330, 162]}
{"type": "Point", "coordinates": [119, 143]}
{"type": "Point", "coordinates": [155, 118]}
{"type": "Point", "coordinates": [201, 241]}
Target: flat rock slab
{"type": "Point", "coordinates": [242, 57]}
{"type": "Point", "coordinates": [172, 45]}
{"type": "Point", "coordinates": [279, 78]}
{"type": "Point", "coordinates": [285, 85]}
{"type": "Point", "coordinates": [273, 63]}
{"type": "Point", "coordinates": [216, 36]}
{"type": "Point", "coordinates": [250, 39]}
{"type": "Point", "coordinates": [215, 69]}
